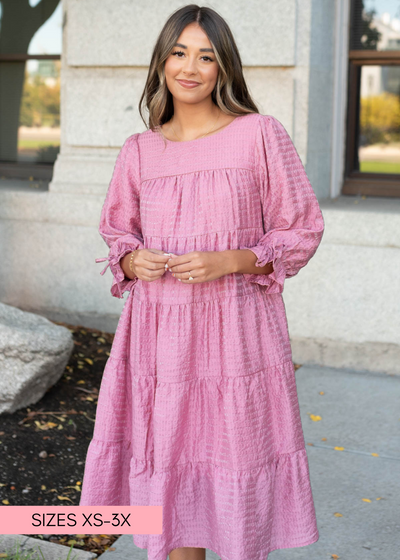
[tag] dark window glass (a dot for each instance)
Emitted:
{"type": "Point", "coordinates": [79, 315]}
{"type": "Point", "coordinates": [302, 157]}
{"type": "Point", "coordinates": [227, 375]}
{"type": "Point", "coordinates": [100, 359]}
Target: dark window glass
{"type": "Point", "coordinates": [373, 118]}
{"type": "Point", "coordinates": [375, 25]}
{"type": "Point", "coordinates": [379, 117]}
{"type": "Point", "coordinates": [30, 48]}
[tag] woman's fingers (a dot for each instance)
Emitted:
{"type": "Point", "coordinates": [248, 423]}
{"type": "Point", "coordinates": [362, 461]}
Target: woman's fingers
{"type": "Point", "coordinates": [155, 259]}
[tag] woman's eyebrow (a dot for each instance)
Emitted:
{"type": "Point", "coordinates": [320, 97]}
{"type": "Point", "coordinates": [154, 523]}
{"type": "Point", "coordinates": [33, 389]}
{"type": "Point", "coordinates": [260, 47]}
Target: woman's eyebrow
{"type": "Point", "coordinates": [185, 47]}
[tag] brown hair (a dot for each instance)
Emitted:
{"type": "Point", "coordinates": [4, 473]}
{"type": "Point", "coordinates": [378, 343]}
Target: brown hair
{"type": "Point", "coordinates": [230, 93]}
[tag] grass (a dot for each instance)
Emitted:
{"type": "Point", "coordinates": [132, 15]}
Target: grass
{"type": "Point", "coordinates": [33, 555]}
{"type": "Point", "coordinates": [379, 167]}
{"type": "Point", "coordinates": [37, 143]}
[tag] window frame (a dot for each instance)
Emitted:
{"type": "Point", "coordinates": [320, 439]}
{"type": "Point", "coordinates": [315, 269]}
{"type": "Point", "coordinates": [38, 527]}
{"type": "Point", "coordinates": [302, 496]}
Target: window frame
{"type": "Point", "coordinates": [21, 170]}
{"type": "Point", "coordinates": [357, 182]}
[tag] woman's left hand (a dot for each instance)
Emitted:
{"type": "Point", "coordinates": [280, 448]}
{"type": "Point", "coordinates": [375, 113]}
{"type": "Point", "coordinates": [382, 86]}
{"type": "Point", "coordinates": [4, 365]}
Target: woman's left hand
{"type": "Point", "coordinates": [204, 266]}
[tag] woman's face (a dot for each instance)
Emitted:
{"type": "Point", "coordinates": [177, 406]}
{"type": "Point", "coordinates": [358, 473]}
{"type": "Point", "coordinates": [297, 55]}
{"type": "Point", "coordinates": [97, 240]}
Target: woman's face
{"type": "Point", "coordinates": [191, 59]}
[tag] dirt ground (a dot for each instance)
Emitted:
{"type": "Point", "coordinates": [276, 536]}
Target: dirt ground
{"type": "Point", "coordinates": [43, 446]}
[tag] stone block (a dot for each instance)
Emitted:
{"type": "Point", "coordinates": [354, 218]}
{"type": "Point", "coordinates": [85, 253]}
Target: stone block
{"type": "Point", "coordinates": [33, 355]}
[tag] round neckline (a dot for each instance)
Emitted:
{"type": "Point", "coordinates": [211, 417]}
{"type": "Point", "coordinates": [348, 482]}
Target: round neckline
{"type": "Point", "coordinates": [204, 137]}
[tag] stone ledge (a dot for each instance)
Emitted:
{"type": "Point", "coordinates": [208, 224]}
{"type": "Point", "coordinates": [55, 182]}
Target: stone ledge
{"type": "Point", "coordinates": [50, 551]}
{"type": "Point", "coordinates": [356, 203]}
{"type": "Point", "coordinates": [365, 222]}
{"type": "Point", "coordinates": [370, 356]}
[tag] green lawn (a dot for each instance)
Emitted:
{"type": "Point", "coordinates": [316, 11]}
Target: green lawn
{"type": "Point", "coordinates": [32, 144]}
{"type": "Point", "coordinates": [379, 167]}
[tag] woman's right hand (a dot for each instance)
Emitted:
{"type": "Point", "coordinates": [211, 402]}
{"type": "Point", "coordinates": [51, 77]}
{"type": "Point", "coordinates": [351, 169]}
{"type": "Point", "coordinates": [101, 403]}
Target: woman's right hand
{"type": "Point", "coordinates": [147, 264]}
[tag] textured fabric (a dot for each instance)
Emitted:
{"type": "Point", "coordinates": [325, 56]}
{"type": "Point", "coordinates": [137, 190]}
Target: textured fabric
{"type": "Point", "coordinates": [198, 409]}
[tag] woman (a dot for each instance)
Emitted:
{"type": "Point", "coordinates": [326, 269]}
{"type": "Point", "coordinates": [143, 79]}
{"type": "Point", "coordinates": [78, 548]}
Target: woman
{"type": "Point", "coordinates": [207, 213]}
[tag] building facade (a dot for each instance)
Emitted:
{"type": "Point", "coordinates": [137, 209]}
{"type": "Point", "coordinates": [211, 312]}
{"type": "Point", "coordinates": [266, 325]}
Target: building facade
{"type": "Point", "coordinates": [343, 308]}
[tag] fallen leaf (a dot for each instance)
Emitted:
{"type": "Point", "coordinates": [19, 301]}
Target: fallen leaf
{"type": "Point", "coordinates": [43, 487]}
{"type": "Point", "coordinates": [64, 498]}
{"type": "Point", "coordinates": [5, 502]}
{"type": "Point", "coordinates": [315, 417]}
{"type": "Point", "coordinates": [101, 339]}
{"type": "Point", "coordinates": [335, 556]}
{"type": "Point", "coordinates": [336, 514]}
{"type": "Point", "coordinates": [321, 393]}
{"type": "Point", "coordinates": [323, 439]}
{"type": "Point", "coordinates": [89, 361]}
{"type": "Point", "coordinates": [81, 382]}
{"type": "Point", "coordinates": [375, 454]}
{"type": "Point", "coordinates": [74, 487]}
{"type": "Point", "coordinates": [365, 499]}
{"type": "Point", "coordinates": [339, 448]}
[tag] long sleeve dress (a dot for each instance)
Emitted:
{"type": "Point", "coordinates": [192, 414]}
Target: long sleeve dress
{"type": "Point", "coordinates": [198, 409]}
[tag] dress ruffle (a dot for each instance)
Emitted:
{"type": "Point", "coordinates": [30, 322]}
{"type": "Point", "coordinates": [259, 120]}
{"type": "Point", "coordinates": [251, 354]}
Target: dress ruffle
{"type": "Point", "coordinates": [121, 247]}
{"type": "Point", "coordinates": [273, 282]}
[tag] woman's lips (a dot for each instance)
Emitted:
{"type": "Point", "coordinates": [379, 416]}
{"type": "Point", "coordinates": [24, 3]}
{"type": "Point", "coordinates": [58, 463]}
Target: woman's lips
{"type": "Point", "coordinates": [188, 85]}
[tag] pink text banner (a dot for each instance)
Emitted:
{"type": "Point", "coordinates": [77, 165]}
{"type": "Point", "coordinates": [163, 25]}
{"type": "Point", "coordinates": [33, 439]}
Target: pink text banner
{"type": "Point", "coordinates": [71, 520]}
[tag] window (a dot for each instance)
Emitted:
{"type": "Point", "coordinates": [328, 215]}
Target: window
{"type": "Point", "coordinates": [30, 53]}
{"type": "Point", "coordinates": [373, 118]}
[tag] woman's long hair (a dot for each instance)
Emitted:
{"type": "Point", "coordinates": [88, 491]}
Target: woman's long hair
{"type": "Point", "coordinates": [230, 93]}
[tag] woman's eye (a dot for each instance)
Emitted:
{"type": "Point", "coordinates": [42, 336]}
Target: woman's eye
{"type": "Point", "coordinates": [181, 52]}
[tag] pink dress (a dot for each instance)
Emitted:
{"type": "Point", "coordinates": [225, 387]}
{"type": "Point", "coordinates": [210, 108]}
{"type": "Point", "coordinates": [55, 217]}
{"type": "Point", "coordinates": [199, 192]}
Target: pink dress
{"type": "Point", "coordinates": [198, 409]}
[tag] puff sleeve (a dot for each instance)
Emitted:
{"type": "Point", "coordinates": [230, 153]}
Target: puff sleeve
{"type": "Point", "coordinates": [292, 219]}
{"type": "Point", "coordinates": [120, 216]}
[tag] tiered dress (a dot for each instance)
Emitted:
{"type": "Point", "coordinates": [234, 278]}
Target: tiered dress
{"type": "Point", "coordinates": [198, 409]}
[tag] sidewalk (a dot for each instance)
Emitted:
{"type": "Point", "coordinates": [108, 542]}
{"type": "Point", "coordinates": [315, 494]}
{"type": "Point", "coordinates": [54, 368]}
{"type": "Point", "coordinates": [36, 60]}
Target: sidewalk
{"type": "Point", "coordinates": [359, 412]}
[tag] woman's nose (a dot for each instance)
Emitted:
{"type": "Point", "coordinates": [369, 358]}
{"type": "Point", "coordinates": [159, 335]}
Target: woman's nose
{"type": "Point", "coordinates": [190, 66]}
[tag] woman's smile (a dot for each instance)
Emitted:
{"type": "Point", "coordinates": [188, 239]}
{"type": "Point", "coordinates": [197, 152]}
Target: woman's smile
{"type": "Point", "coordinates": [187, 84]}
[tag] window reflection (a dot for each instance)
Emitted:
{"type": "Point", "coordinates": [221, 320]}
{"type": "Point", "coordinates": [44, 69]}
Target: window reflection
{"type": "Point", "coordinates": [30, 89]}
{"type": "Point", "coordinates": [39, 128]}
{"type": "Point", "coordinates": [379, 136]}
{"type": "Point", "coordinates": [376, 25]}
